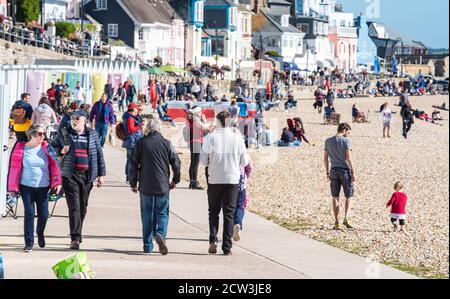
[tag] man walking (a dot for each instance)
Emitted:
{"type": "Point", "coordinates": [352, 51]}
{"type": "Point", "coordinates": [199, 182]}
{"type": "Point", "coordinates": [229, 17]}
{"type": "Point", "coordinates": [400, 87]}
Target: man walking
{"type": "Point", "coordinates": [407, 117]}
{"type": "Point", "coordinates": [149, 171]}
{"type": "Point", "coordinates": [81, 164]}
{"type": "Point", "coordinates": [102, 118]}
{"type": "Point", "coordinates": [224, 154]}
{"type": "Point", "coordinates": [109, 90]}
{"type": "Point", "coordinates": [338, 152]}
{"type": "Point", "coordinates": [80, 94]}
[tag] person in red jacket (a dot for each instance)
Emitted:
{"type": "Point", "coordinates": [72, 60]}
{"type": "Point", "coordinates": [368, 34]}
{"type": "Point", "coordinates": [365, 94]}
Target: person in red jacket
{"type": "Point", "coordinates": [134, 125]}
{"type": "Point", "coordinates": [398, 207]}
{"type": "Point", "coordinates": [52, 93]}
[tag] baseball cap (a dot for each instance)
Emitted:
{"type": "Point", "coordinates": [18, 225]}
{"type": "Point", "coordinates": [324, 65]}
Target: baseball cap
{"type": "Point", "coordinates": [133, 106]}
{"type": "Point", "coordinates": [79, 113]}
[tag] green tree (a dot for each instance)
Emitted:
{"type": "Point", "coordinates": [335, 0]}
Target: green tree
{"type": "Point", "coordinates": [28, 10]}
{"type": "Point", "coordinates": [65, 29]}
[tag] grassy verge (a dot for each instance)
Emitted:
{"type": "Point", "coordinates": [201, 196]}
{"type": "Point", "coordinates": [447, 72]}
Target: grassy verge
{"type": "Point", "coordinates": [299, 225]}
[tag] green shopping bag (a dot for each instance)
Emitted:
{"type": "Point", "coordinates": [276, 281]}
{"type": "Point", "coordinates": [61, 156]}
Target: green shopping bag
{"type": "Point", "coordinates": [73, 267]}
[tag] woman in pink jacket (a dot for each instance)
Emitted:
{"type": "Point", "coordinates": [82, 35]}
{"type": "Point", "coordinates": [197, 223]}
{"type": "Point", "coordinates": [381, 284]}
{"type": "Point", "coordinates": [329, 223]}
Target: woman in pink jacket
{"type": "Point", "coordinates": [33, 171]}
{"type": "Point", "coordinates": [242, 200]}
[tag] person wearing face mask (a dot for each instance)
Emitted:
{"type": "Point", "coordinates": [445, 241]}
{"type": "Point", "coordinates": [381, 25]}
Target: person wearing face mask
{"type": "Point", "coordinates": [82, 163]}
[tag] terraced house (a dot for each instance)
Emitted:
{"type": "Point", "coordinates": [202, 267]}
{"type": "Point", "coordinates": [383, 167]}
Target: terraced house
{"type": "Point", "coordinates": [152, 27]}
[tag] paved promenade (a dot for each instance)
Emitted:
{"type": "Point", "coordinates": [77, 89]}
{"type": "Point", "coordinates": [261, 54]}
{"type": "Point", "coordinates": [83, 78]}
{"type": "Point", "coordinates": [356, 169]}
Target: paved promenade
{"type": "Point", "coordinates": [113, 243]}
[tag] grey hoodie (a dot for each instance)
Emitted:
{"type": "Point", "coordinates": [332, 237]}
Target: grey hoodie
{"type": "Point", "coordinates": [44, 115]}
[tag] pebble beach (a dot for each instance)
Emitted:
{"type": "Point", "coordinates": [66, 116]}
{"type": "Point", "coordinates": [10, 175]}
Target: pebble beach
{"type": "Point", "coordinates": [289, 185]}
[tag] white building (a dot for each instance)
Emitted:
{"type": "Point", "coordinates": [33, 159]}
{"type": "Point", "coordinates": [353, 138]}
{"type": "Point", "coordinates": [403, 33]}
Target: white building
{"type": "Point", "coordinates": [312, 18]}
{"type": "Point", "coordinates": [55, 10]}
{"type": "Point", "coordinates": [273, 34]}
{"type": "Point", "coordinates": [343, 36]}
{"type": "Point", "coordinates": [152, 28]}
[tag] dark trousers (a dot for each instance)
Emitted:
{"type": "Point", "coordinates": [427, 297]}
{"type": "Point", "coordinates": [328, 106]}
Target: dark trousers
{"type": "Point", "coordinates": [129, 99]}
{"type": "Point", "coordinates": [77, 190]}
{"type": "Point", "coordinates": [406, 126]}
{"type": "Point", "coordinates": [30, 197]}
{"type": "Point", "coordinates": [195, 162]}
{"type": "Point", "coordinates": [222, 197]}
{"type": "Point", "coordinates": [129, 153]}
{"type": "Point", "coordinates": [21, 137]}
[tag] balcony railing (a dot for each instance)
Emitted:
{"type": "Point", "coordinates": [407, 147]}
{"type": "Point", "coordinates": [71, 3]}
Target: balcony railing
{"type": "Point", "coordinates": [25, 36]}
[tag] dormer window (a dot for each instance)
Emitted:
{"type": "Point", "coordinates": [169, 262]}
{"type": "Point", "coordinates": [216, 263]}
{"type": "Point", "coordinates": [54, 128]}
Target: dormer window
{"type": "Point", "coordinates": [285, 21]}
{"type": "Point", "coordinates": [101, 4]}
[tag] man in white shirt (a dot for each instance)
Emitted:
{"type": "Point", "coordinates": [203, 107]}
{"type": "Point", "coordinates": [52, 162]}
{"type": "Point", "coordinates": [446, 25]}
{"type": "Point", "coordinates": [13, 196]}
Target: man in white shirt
{"type": "Point", "coordinates": [224, 154]}
{"type": "Point", "coordinates": [79, 93]}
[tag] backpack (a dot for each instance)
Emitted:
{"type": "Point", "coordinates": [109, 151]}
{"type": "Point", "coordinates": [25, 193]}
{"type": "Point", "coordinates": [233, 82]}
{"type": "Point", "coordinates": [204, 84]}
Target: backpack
{"type": "Point", "coordinates": [243, 110]}
{"type": "Point", "coordinates": [121, 132]}
{"type": "Point", "coordinates": [19, 116]}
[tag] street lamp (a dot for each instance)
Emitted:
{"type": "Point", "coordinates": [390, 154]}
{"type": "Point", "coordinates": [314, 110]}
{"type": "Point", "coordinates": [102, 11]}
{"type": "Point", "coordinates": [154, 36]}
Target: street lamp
{"type": "Point", "coordinates": [217, 33]}
{"type": "Point", "coordinates": [401, 56]}
{"type": "Point", "coordinates": [13, 12]}
{"type": "Point", "coordinates": [82, 15]}
{"type": "Point", "coordinates": [42, 12]}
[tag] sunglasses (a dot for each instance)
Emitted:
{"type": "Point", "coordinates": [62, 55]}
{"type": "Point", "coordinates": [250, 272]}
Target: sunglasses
{"type": "Point", "coordinates": [40, 134]}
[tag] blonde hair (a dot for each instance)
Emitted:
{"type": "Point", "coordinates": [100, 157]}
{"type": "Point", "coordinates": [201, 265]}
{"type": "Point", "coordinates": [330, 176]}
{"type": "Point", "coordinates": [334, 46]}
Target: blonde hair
{"type": "Point", "coordinates": [398, 186]}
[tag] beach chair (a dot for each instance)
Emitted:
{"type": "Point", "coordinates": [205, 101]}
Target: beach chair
{"type": "Point", "coordinates": [327, 116]}
{"type": "Point", "coordinates": [12, 202]}
{"type": "Point", "coordinates": [335, 119]}
{"type": "Point", "coordinates": [276, 106]}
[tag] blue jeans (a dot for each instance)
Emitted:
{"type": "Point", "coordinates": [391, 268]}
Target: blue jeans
{"type": "Point", "coordinates": [129, 153]}
{"type": "Point", "coordinates": [102, 131]}
{"type": "Point", "coordinates": [155, 218]}
{"type": "Point", "coordinates": [30, 196]}
{"type": "Point", "coordinates": [122, 104]}
{"type": "Point", "coordinates": [240, 211]}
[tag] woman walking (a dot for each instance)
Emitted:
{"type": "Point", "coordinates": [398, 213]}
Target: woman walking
{"type": "Point", "coordinates": [33, 171]}
{"type": "Point", "coordinates": [44, 114]}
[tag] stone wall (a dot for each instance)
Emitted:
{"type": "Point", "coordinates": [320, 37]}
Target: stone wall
{"type": "Point", "coordinates": [12, 53]}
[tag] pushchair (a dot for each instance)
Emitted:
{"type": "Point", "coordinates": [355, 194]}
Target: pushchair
{"type": "Point", "coordinates": [12, 202]}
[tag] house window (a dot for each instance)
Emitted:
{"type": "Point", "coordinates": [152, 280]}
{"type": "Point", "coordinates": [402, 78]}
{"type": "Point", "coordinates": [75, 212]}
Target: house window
{"type": "Point", "coordinates": [113, 30]}
{"type": "Point", "coordinates": [141, 34]}
{"type": "Point", "coordinates": [218, 46]}
{"type": "Point", "coordinates": [233, 16]}
{"type": "Point", "coordinates": [199, 11]}
{"type": "Point", "coordinates": [285, 20]}
{"type": "Point", "coordinates": [102, 4]}
{"type": "Point", "coordinates": [303, 28]}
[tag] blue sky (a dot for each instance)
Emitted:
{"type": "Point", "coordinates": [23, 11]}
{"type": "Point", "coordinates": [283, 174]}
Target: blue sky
{"type": "Point", "coordinates": [426, 21]}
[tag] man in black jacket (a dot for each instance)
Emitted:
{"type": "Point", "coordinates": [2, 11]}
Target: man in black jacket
{"type": "Point", "coordinates": [408, 118]}
{"type": "Point", "coordinates": [150, 166]}
{"type": "Point", "coordinates": [82, 163]}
